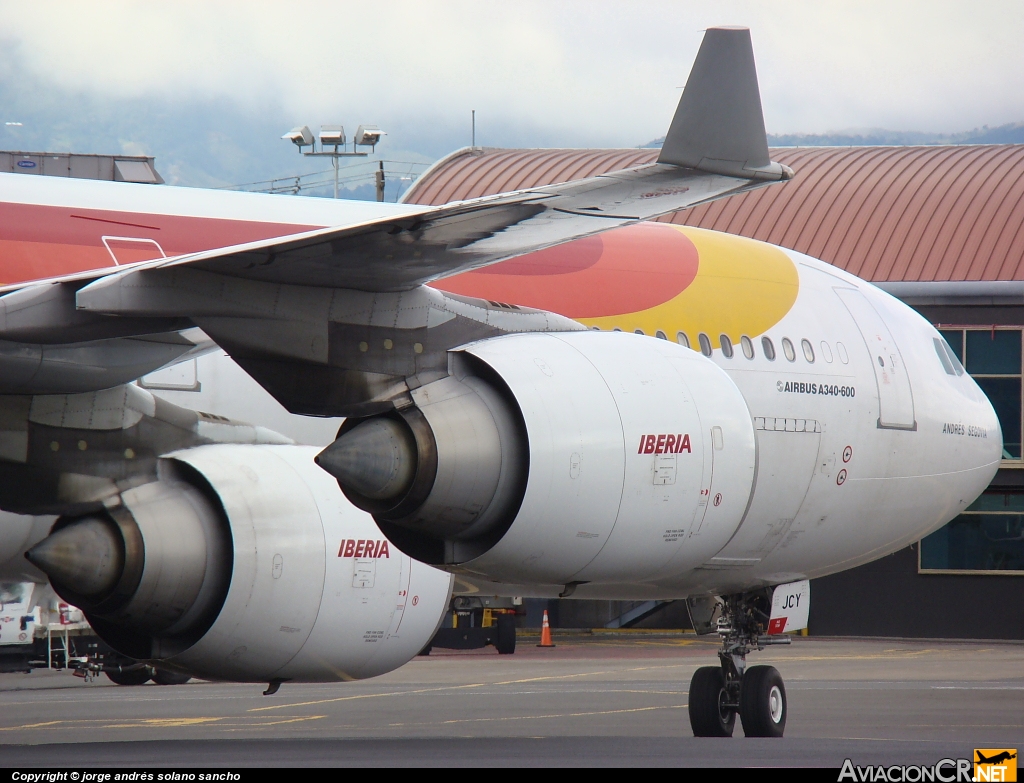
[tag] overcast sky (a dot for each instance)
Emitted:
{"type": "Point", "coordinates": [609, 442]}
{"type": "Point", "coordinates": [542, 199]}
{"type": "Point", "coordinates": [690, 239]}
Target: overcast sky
{"type": "Point", "coordinates": [547, 73]}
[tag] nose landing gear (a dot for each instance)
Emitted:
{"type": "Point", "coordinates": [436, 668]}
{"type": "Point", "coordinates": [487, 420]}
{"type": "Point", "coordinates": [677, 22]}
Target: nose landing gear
{"type": "Point", "coordinates": [757, 693]}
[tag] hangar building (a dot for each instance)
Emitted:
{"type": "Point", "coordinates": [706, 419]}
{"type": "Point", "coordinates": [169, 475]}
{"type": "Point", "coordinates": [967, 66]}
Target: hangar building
{"type": "Point", "coordinates": [941, 227]}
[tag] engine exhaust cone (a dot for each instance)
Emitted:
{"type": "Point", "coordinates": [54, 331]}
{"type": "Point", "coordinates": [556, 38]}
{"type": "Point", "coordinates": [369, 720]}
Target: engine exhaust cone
{"type": "Point", "coordinates": [376, 459]}
{"type": "Point", "coordinates": [86, 557]}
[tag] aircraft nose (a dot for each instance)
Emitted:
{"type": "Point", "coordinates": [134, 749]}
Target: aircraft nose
{"type": "Point", "coordinates": [973, 422]}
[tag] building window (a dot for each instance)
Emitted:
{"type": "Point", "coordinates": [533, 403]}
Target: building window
{"type": "Point", "coordinates": [988, 538]}
{"type": "Point", "coordinates": [993, 358]}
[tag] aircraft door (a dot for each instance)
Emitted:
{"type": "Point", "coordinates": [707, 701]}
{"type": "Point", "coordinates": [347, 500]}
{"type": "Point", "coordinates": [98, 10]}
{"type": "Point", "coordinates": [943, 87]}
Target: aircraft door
{"type": "Point", "coordinates": [787, 451]}
{"type": "Point", "coordinates": [895, 396]}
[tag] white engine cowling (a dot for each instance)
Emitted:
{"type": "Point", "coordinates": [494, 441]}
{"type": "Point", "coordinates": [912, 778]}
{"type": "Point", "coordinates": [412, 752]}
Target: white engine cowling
{"type": "Point", "coordinates": [246, 563]}
{"type": "Point", "coordinates": [559, 458]}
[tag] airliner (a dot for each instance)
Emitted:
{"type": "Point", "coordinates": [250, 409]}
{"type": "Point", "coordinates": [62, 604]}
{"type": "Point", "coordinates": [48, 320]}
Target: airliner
{"type": "Point", "coordinates": [544, 393]}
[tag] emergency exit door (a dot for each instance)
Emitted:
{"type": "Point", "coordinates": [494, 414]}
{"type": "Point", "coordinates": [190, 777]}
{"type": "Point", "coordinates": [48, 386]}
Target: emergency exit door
{"type": "Point", "coordinates": [895, 396]}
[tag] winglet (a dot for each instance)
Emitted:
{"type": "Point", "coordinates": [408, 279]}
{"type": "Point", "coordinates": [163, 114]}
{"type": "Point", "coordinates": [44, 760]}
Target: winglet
{"type": "Point", "coordinates": [718, 126]}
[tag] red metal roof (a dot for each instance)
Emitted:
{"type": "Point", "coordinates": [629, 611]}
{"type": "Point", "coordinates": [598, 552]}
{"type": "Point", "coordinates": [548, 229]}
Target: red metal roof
{"type": "Point", "coordinates": [882, 213]}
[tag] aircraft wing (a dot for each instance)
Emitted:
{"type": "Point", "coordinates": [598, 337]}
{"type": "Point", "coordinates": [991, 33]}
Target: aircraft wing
{"type": "Point", "coordinates": [715, 147]}
{"type": "Point", "coordinates": [398, 254]}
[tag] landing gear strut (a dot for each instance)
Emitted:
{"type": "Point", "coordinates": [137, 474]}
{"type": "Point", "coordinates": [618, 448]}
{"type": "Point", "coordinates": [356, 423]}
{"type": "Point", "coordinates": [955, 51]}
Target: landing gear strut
{"type": "Point", "coordinates": [757, 693]}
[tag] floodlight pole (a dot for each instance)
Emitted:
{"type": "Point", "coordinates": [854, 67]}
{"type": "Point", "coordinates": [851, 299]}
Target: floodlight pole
{"type": "Point", "coordinates": [298, 136]}
{"type": "Point", "coordinates": [334, 155]}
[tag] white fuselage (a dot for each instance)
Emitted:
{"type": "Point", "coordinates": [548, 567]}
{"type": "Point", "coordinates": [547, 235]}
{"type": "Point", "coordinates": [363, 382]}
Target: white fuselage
{"type": "Point", "coordinates": [905, 452]}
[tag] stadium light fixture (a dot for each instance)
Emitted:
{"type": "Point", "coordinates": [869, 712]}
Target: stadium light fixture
{"type": "Point", "coordinates": [368, 136]}
{"type": "Point", "coordinates": [300, 137]}
{"type": "Point", "coordinates": [334, 136]}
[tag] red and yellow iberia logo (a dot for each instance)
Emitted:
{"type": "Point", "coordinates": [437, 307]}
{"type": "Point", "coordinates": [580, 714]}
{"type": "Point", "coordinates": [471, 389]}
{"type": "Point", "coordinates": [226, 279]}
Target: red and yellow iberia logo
{"type": "Point", "coordinates": [650, 277]}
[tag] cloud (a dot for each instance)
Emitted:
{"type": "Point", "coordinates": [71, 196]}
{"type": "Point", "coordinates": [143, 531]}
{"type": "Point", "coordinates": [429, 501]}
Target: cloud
{"type": "Point", "coordinates": [574, 73]}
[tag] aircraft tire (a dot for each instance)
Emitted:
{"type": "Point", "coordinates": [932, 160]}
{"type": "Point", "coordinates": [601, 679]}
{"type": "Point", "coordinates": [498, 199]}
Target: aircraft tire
{"type": "Point", "coordinates": [165, 677]}
{"type": "Point", "coordinates": [505, 643]}
{"type": "Point", "coordinates": [134, 677]}
{"type": "Point", "coordinates": [763, 705]}
{"type": "Point", "coordinates": [708, 716]}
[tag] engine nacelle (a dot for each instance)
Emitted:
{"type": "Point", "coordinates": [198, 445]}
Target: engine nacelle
{"type": "Point", "coordinates": [246, 563]}
{"type": "Point", "coordinates": [558, 459]}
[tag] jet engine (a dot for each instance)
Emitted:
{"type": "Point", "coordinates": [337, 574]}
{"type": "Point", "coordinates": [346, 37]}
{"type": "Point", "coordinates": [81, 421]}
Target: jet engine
{"type": "Point", "coordinates": [558, 459]}
{"type": "Point", "coordinates": [245, 563]}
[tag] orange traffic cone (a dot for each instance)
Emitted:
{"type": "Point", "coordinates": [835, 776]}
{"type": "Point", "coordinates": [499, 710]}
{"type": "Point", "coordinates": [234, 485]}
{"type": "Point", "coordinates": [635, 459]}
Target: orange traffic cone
{"type": "Point", "coordinates": [545, 632]}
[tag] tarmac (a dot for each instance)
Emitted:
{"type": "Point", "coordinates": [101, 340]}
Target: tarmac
{"type": "Point", "coordinates": [593, 700]}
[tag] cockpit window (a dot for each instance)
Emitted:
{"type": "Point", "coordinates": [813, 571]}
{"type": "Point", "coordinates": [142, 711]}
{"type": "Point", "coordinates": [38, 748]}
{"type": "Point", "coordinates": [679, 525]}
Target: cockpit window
{"type": "Point", "coordinates": [940, 349]}
{"type": "Point", "coordinates": [952, 357]}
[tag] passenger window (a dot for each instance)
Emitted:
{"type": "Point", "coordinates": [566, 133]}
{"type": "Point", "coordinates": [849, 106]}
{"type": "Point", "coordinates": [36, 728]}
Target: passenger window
{"type": "Point", "coordinates": [769, 348]}
{"type": "Point", "coordinates": [638, 331]}
{"type": "Point", "coordinates": [826, 352]}
{"type": "Point", "coordinates": [682, 339]}
{"type": "Point", "coordinates": [947, 365]}
{"type": "Point", "coordinates": [787, 348]}
{"type": "Point", "coordinates": [953, 358]}
{"type": "Point", "coordinates": [616, 329]}
{"type": "Point", "coordinates": [705, 344]}
{"type": "Point", "coordinates": [660, 335]}
{"type": "Point", "coordinates": [748, 347]}
{"type": "Point", "coordinates": [808, 351]}
{"type": "Point", "coordinates": [844, 357]}
{"type": "Point", "coordinates": [726, 344]}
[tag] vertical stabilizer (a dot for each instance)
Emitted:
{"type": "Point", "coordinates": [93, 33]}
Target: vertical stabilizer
{"type": "Point", "coordinates": [718, 126]}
